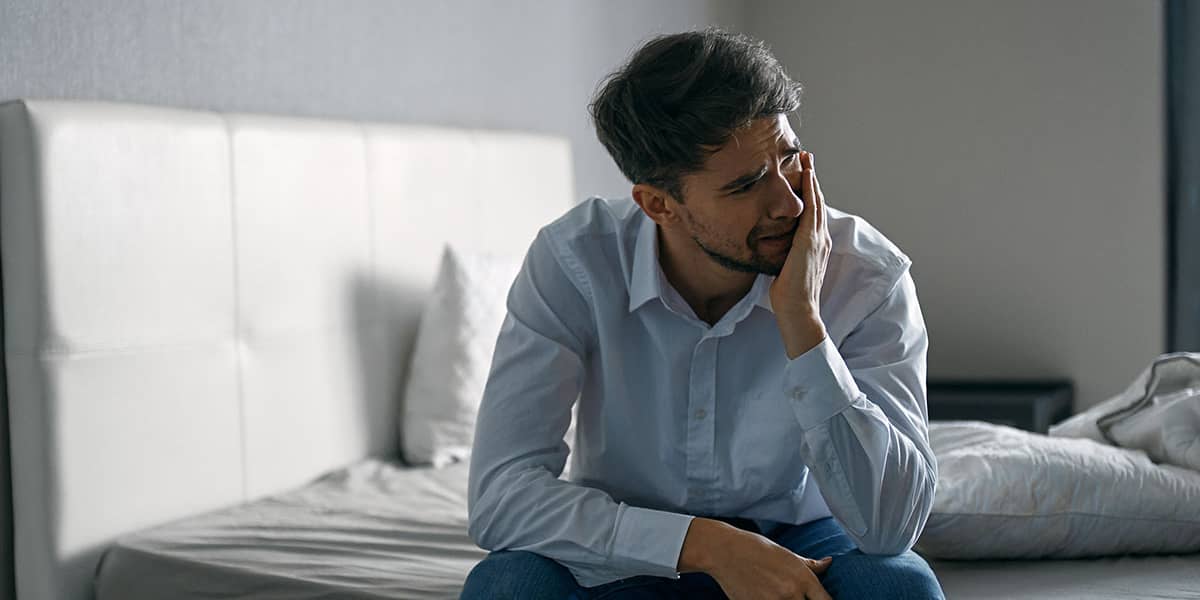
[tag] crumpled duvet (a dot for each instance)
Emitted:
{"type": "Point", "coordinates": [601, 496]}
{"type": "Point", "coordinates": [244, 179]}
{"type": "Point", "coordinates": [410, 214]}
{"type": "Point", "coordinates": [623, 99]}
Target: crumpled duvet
{"type": "Point", "coordinates": [1159, 413]}
{"type": "Point", "coordinates": [1122, 477]}
{"type": "Point", "coordinates": [1008, 493]}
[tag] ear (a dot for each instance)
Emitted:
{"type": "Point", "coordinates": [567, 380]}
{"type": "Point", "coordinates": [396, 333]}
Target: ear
{"type": "Point", "coordinates": [659, 205]}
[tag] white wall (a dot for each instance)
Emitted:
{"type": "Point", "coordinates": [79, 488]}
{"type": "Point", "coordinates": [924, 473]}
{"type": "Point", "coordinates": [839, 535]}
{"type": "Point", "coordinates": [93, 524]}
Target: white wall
{"type": "Point", "coordinates": [512, 64]}
{"type": "Point", "coordinates": [1015, 151]}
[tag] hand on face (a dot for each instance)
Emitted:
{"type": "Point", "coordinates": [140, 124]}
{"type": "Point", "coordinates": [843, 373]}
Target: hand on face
{"type": "Point", "coordinates": [796, 292]}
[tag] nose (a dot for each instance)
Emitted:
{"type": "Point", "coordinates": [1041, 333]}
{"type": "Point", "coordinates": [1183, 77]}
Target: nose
{"type": "Point", "coordinates": [783, 196]}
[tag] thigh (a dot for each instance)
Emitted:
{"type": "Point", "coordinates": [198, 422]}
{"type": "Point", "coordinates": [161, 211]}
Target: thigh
{"type": "Point", "coordinates": [815, 539]}
{"type": "Point", "coordinates": [518, 575]}
{"type": "Point", "coordinates": [853, 574]}
{"type": "Point", "coordinates": [904, 576]}
{"type": "Point", "coordinates": [643, 587]}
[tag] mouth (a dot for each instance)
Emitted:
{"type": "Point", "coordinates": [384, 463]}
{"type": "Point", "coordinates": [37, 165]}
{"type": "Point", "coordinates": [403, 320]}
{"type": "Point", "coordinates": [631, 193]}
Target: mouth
{"type": "Point", "coordinates": [786, 234]}
{"type": "Point", "coordinates": [775, 243]}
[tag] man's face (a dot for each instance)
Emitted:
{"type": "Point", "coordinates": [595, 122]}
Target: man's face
{"type": "Point", "coordinates": [743, 207]}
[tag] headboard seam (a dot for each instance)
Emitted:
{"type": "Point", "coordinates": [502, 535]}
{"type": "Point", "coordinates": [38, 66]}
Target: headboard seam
{"type": "Point", "coordinates": [237, 325]}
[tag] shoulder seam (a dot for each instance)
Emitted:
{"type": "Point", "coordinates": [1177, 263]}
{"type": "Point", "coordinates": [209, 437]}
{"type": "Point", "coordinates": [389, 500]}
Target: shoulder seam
{"type": "Point", "coordinates": [570, 266]}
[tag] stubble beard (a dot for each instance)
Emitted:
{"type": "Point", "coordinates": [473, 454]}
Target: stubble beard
{"type": "Point", "coordinates": [756, 264]}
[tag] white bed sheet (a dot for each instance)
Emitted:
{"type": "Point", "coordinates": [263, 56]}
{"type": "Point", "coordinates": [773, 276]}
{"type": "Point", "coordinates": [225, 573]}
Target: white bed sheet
{"type": "Point", "coordinates": [372, 530]}
{"type": "Point", "coordinates": [378, 530]}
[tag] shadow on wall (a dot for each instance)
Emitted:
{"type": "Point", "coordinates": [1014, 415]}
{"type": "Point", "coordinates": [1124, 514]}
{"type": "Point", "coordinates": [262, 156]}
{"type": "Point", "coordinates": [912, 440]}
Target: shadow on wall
{"type": "Point", "coordinates": [387, 315]}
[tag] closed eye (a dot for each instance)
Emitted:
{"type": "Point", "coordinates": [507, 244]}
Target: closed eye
{"type": "Point", "coordinates": [746, 188]}
{"type": "Point", "coordinates": [788, 158]}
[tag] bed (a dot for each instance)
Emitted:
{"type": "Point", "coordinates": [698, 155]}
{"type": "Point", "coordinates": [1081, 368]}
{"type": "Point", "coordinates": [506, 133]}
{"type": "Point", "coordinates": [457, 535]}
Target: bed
{"type": "Point", "coordinates": [207, 317]}
{"type": "Point", "coordinates": [404, 532]}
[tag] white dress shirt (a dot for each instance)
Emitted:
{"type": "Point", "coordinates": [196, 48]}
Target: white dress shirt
{"type": "Point", "coordinates": [678, 419]}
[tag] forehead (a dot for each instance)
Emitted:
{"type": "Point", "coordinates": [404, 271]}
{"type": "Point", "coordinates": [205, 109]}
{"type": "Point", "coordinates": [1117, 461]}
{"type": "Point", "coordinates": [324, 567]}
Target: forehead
{"type": "Point", "coordinates": [749, 146]}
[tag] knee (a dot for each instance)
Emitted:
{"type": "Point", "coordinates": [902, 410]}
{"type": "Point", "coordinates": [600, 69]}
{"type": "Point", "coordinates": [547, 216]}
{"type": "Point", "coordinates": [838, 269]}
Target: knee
{"type": "Point", "coordinates": [900, 577]}
{"type": "Point", "coordinates": [518, 574]}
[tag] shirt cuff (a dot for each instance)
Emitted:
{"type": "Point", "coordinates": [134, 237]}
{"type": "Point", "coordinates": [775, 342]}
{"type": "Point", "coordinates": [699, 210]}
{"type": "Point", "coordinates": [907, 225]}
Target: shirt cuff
{"type": "Point", "coordinates": [650, 539]}
{"type": "Point", "coordinates": [819, 384]}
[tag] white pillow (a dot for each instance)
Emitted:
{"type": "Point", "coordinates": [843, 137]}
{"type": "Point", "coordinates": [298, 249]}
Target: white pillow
{"type": "Point", "coordinates": [1158, 413]}
{"type": "Point", "coordinates": [1008, 493]}
{"type": "Point", "coordinates": [453, 354]}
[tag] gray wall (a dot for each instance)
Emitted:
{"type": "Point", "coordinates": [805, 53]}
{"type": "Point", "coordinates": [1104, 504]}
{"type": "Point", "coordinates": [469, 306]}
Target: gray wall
{"type": "Point", "coordinates": [508, 64]}
{"type": "Point", "coordinates": [1015, 150]}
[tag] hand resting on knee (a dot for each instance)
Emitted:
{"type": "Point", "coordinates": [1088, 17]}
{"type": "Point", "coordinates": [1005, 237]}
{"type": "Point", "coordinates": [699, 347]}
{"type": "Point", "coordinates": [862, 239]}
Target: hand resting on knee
{"type": "Point", "coordinates": [749, 566]}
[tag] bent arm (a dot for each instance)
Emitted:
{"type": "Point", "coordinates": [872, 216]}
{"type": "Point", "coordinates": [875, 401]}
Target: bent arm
{"type": "Point", "coordinates": [863, 412]}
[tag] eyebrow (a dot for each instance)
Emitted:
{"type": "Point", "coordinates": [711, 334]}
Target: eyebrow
{"type": "Point", "coordinates": [793, 145]}
{"type": "Point", "coordinates": [743, 180]}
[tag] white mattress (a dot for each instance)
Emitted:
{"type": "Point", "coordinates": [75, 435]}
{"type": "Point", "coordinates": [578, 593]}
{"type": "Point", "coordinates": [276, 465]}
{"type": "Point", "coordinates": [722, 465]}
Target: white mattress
{"type": "Point", "coordinates": [377, 530]}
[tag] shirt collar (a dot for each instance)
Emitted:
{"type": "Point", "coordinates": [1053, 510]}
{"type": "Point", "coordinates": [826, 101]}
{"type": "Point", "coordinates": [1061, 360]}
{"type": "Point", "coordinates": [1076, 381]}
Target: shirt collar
{"type": "Point", "coordinates": [647, 281]}
{"type": "Point", "coordinates": [761, 291]}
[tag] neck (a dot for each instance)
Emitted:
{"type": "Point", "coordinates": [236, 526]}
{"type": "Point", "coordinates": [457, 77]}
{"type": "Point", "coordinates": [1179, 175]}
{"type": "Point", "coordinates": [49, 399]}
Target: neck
{"type": "Point", "coordinates": [710, 289]}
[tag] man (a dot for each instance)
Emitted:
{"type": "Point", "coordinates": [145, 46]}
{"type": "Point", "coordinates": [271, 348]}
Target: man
{"type": "Point", "coordinates": [749, 366]}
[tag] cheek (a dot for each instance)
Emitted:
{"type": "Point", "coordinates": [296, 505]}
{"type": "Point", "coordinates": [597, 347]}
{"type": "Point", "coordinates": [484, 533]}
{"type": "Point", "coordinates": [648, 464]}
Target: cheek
{"type": "Point", "coordinates": [749, 234]}
{"type": "Point", "coordinates": [728, 229]}
{"type": "Point", "coordinates": [744, 230]}
{"type": "Point", "coordinates": [736, 231]}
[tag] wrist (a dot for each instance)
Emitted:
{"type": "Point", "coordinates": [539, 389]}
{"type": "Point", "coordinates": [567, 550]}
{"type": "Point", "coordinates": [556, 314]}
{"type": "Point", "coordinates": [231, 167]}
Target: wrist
{"type": "Point", "coordinates": [700, 544]}
{"type": "Point", "coordinates": [801, 332]}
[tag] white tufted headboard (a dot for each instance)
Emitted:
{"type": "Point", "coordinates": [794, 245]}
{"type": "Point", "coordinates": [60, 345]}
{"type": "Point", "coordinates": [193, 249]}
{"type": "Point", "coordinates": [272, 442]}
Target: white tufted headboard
{"type": "Point", "coordinates": [203, 308]}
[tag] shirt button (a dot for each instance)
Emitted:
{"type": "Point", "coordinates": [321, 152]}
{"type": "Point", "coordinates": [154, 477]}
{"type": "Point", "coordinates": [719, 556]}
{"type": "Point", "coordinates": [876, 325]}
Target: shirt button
{"type": "Point", "coordinates": [700, 414]}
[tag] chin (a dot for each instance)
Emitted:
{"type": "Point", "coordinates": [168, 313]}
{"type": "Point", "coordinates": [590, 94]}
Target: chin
{"type": "Point", "coordinates": [772, 270]}
{"type": "Point", "coordinates": [766, 265]}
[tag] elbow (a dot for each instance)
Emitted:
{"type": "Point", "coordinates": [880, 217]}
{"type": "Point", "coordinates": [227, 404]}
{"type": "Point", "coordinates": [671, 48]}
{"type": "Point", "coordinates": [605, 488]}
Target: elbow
{"type": "Point", "coordinates": [481, 512]}
{"type": "Point", "coordinates": [887, 541]}
{"type": "Point", "coordinates": [479, 520]}
{"type": "Point", "coordinates": [890, 542]}
{"type": "Point", "coordinates": [902, 533]}
{"type": "Point", "coordinates": [884, 546]}
{"type": "Point", "coordinates": [490, 521]}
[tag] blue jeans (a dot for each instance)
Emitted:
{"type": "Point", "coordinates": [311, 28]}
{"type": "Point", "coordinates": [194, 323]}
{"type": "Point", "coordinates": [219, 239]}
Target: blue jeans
{"type": "Point", "coordinates": [851, 574]}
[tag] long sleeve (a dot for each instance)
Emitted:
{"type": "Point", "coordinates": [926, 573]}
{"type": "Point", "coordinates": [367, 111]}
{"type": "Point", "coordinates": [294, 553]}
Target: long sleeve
{"type": "Point", "coordinates": [516, 500]}
{"type": "Point", "coordinates": [865, 428]}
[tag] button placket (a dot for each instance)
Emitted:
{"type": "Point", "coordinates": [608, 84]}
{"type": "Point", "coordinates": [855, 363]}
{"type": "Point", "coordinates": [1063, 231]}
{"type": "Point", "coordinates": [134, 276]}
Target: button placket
{"type": "Point", "coordinates": [701, 441]}
{"type": "Point", "coordinates": [695, 400]}
{"type": "Point", "coordinates": [708, 425]}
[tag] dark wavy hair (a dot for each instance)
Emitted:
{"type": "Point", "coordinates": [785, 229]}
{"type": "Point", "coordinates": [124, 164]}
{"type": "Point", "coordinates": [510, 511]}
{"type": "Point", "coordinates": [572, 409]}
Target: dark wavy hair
{"type": "Point", "coordinates": [681, 96]}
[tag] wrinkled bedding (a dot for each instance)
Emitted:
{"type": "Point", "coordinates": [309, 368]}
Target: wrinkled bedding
{"type": "Point", "coordinates": [1159, 413]}
{"type": "Point", "coordinates": [378, 530]}
{"type": "Point", "coordinates": [1006, 493]}
{"type": "Point", "coordinates": [372, 530]}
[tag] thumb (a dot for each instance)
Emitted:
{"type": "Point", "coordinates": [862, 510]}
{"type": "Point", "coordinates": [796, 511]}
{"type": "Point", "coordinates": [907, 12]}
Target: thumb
{"type": "Point", "coordinates": [819, 566]}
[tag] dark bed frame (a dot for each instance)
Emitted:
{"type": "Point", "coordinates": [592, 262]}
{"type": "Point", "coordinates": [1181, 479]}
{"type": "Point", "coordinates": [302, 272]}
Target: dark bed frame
{"type": "Point", "coordinates": [1182, 28]}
